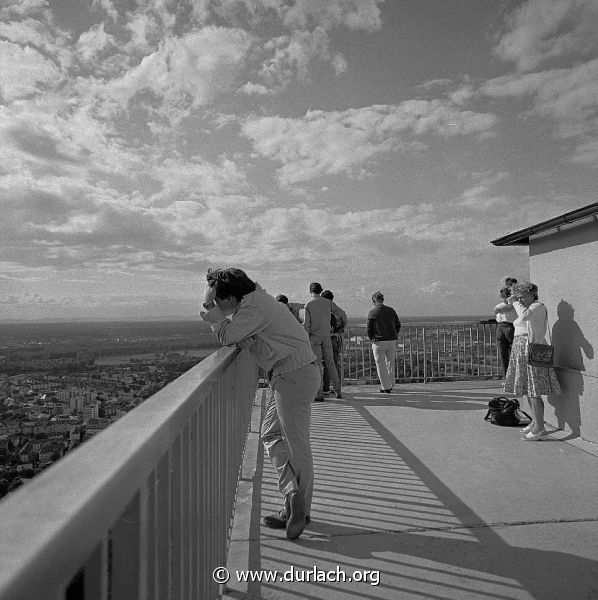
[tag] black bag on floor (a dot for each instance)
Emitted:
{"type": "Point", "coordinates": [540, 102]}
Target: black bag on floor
{"type": "Point", "coordinates": [506, 412]}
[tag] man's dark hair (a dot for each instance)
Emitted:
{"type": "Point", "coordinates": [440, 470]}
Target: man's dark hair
{"type": "Point", "coordinates": [230, 282]}
{"type": "Point", "coordinates": [315, 288]}
{"type": "Point", "coordinates": [327, 294]}
{"type": "Point", "coordinates": [282, 298]}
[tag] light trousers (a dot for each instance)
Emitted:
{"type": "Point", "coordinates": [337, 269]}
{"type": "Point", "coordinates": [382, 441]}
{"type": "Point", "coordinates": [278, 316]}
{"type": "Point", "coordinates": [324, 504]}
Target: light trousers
{"type": "Point", "coordinates": [322, 347]}
{"type": "Point", "coordinates": [384, 355]}
{"type": "Point", "coordinates": [285, 430]}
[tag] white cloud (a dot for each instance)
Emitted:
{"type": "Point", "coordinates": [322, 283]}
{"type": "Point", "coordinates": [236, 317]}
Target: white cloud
{"type": "Point", "coordinates": [542, 30]}
{"type": "Point", "coordinates": [94, 42]}
{"type": "Point", "coordinates": [22, 8]}
{"type": "Point", "coordinates": [480, 196]}
{"type": "Point", "coordinates": [189, 71]}
{"type": "Point", "coordinates": [353, 14]}
{"type": "Point", "coordinates": [339, 63]}
{"type": "Point", "coordinates": [25, 72]}
{"type": "Point", "coordinates": [568, 97]}
{"type": "Point", "coordinates": [324, 143]}
{"type": "Point", "coordinates": [255, 89]}
{"type": "Point", "coordinates": [292, 56]}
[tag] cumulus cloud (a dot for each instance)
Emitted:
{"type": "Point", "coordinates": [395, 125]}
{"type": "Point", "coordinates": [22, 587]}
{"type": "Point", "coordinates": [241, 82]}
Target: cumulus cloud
{"type": "Point", "coordinates": [353, 14]}
{"type": "Point", "coordinates": [93, 42]}
{"type": "Point", "coordinates": [11, 9]}
{"type": "Point", "coordinates": [480, 196]}
{"type": "Point", "coordinates": [191, 70]}
{"type": "Point", "coordinates": [326, 143]}
{"type": "Point", "coordinates": [553, 44]}
{"type": "Point", "coordinates": [543, 30]}
{"type": "Point", "coordinates": [567, 97]}
{"type": "Point", "coordinates": [25, 72]}
{"type": "Point", "coordinates": [292, 56]}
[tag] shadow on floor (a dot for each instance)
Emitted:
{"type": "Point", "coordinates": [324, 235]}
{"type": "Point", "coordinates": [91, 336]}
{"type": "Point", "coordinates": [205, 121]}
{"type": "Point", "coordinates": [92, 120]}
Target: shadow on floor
{"type": "Point", "coordinates": [378, 507]}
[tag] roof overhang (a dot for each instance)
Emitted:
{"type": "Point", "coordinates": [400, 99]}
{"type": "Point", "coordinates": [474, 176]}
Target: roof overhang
{"type": "Point", "coordinates": [521, 237]}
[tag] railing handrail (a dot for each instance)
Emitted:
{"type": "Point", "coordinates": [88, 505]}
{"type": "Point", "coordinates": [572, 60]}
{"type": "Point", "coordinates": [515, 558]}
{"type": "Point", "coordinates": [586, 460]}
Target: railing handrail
{"type": "Point", "coordinates": [77, 494]}
{"type": "Point", "coordinates": [434, 323]}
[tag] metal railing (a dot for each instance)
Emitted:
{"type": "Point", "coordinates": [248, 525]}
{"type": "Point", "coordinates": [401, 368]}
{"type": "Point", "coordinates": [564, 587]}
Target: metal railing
{"type": "Point", "coordinates": [427, 352]}
{"type": "Point", "coordinates": [144, 509]}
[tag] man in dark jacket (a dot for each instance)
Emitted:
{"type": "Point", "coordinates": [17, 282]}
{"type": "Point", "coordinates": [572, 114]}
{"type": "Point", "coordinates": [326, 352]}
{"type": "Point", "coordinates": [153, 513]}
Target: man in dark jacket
{"type": "Point", "coordinates": [383, 332]}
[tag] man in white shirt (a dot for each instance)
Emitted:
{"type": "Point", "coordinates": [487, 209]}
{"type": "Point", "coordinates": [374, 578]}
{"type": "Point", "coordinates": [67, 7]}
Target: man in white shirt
{"type": "Point", "coordinates": [505, 315]}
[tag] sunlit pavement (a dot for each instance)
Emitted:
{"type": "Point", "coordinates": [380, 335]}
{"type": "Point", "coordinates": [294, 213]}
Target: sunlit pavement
{"type": "Point", "coordinates": [419, 497]}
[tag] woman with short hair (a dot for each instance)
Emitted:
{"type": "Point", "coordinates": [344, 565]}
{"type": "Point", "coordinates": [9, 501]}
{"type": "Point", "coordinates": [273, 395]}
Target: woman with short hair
{"type": "Point", "coordinates": [522, 379]}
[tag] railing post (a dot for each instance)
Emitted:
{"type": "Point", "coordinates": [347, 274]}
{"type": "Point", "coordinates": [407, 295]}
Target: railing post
{"type": "Point", "coordinates": [425, 354]}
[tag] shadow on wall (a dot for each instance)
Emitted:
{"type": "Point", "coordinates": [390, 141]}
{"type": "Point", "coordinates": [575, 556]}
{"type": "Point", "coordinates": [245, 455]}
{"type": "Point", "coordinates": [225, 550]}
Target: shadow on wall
{"type": "Point", "coordinates": [570, 346]}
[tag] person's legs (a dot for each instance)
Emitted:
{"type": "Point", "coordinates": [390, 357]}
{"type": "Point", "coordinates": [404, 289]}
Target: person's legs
{"type": "Point", "coordinates": [285, 432]}
{"type": "Point", "coordinates": [509, 337]}
{"type": "Point", "coordinates": [328, 357]}
{"type": "Point", "coordinates": [504, 348]}
{"type": "Point", "coordinates": [316, 346]}
{"type": "Point", "coordinates": [537, 407]}
{"type": "Point", "coordinates": [390, 348]}
{"type": "Point", "coordinates": [380, 359]}
{"type": "Point", "coordinates": [325, 378]}
{"type": "Point", "coordinates": [336, 351]}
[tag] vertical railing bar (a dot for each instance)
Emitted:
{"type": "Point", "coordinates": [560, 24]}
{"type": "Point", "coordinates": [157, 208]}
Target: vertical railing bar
{"type": "Point", "coordinates": [444, 352]}
{"type": "Point", "coordinates": [477, 340]}
{"type": "Point", "coordinates": [145, 523]}
{"type": "Point", "coordinates": [424, 353]}
{"type": "Point", "coordinates": [485, 349]}
{"type": "Point", "coordinates": [458, 352]}
{"type": "Point", "coordinates": [185, 511]}
{"type": "Point", "coordinates": [411, 353]}
{"type": "Point", "coordinates": [471, 349]}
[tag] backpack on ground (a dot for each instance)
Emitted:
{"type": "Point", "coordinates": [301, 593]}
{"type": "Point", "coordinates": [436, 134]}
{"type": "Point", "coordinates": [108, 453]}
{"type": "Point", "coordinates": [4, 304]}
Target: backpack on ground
{"type": "Point", "coordinates": [506, 412]}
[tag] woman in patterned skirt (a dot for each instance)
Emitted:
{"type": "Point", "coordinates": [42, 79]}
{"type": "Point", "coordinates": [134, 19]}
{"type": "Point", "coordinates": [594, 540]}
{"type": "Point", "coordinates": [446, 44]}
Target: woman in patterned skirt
{"type": "Point", "coordinates": [522, 379]}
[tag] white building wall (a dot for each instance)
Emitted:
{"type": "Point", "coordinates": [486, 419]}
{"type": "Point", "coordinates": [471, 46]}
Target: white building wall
{"type": "Point", "coordinates": [564, 265]}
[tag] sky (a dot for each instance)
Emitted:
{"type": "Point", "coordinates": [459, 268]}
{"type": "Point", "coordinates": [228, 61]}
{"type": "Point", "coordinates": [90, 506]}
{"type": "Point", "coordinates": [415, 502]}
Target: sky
{"type": "Point", "coordinates": [365, 144]}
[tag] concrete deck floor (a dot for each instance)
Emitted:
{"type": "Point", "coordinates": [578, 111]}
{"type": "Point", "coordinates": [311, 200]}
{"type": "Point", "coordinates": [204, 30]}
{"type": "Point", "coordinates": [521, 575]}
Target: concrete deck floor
{"type": "Point", "coordinates": [415, 485]}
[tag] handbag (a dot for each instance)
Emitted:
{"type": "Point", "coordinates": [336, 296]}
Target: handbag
{"type": "Point", "coordinates": [540, 355]}
{"type": "Point", "coordinates": [506, 412]}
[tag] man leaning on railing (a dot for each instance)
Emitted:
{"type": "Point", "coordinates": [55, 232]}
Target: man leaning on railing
{"type": "Point", "coordinates": [240, 312]}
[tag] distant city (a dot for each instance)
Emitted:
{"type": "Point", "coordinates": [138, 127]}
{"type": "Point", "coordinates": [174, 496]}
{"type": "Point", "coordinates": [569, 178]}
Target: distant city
{"type": "Point", "coordinates": [62, 383]}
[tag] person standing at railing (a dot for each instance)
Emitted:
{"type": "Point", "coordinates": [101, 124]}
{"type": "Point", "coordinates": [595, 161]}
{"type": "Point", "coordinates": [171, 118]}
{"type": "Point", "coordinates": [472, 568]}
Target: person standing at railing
{"type": "Point", "coordinates": [505, 314]}
{"type": "Point", "coordinates": [338, 322]}
{"type": "Point", "coordinates": [318, 312]}
{"type": "Point", "coordinates": [522, 379]}
{"type": "Point", "coordinates": [383, 328]}
{"type": "Point", "coordinates": [284, 300]}
{"type": "Point", "coordinates": [240, 312]}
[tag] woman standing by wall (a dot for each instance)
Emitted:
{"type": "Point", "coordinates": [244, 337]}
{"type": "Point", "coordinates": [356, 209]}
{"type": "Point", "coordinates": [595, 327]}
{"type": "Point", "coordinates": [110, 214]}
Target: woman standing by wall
{"type": "Point", "coordinates": [522, 379]}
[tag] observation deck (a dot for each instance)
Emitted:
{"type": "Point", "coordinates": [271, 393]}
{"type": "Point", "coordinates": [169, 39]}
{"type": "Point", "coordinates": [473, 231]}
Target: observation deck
{"type": "Point", "coordinates": [413, 486]}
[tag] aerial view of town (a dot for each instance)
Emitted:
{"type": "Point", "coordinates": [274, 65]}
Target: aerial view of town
{"type": "Point", "coordinates": [61, 383]}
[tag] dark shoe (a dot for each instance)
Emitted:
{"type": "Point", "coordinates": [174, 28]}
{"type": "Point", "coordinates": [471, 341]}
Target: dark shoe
{"type": "Point", "coordinates": [319, 399]}
{"type": "Point", "coordinates": [382, 391]}
{"type": "Point", "coordinates": [339, 395]}
{"type": "Point", "coordinates": [295, 508]}
{"type": "Point", "coordinates": [279, 520]}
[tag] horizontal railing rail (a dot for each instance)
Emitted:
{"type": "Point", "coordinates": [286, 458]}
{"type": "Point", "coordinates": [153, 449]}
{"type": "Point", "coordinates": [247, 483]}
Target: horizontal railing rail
{"type": "Point", "coordinates": [144, 509]}
{"type": "Point", "coordinates": [427, 352]}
